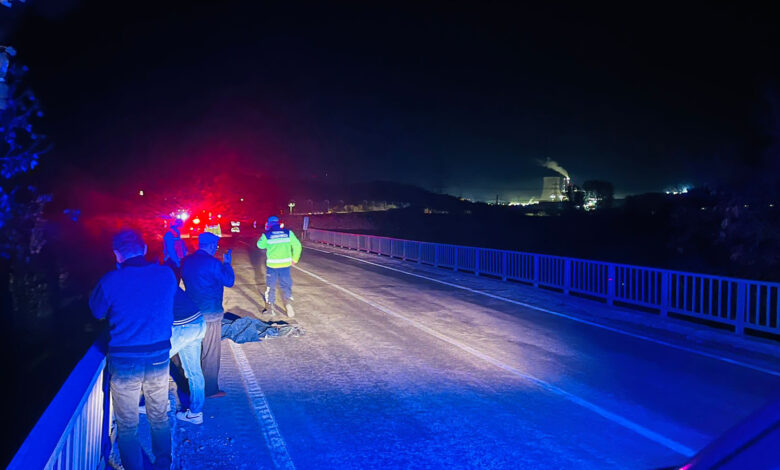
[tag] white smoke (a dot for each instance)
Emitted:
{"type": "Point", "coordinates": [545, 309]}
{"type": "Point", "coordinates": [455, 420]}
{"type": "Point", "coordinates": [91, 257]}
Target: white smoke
{"type": "Point", "coordinates": [553, 165]}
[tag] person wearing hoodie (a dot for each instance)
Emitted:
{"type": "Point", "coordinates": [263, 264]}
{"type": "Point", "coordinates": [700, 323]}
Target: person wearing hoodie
{"type": "Point", "coordinates": [283, 250]}
{"type": "Point", "coordinates": [205, 278]}
{"type": "Point", "coordinates": [137, 300]}
{"type": "Point", "coordinates": [189, 329]}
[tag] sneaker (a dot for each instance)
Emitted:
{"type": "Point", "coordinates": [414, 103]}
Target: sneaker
{"type": "Point", "coordinates": [270, 310]}
{"type": "Point", "coordinates": [190, 417]}
{"type": "Point", "coordinates": [290, 310]}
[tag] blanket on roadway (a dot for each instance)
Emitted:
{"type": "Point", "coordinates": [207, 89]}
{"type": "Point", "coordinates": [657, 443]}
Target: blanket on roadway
{"type": "Point", "coordinates": [246, 329]}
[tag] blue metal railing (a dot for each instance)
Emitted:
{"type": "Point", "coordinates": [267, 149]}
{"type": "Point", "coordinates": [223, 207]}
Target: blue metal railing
{"type": "Point", "coordinates": [739, 304]}
{"type": "Point", "coordinates": [74, 431]}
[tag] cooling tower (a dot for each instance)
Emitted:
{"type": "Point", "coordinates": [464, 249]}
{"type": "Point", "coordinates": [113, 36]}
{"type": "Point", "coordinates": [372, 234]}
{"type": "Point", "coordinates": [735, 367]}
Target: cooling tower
{"type": "Point", "coordinates": [551, 189]}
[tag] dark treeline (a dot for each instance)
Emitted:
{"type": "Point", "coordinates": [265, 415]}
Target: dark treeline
{"type": "Point", "coordinates": [701, 231]}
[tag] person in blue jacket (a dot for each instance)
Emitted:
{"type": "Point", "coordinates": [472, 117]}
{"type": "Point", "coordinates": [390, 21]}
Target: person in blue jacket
{"type": "Point", "coordinates": [205, 278]}
{"type": "Point", "coordinates": [174, 248]}
{"type": "Point", "coordinates": [137, 300]}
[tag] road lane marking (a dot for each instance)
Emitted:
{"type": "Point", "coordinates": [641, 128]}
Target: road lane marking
{"type": "Point", "coordinates": [273, 437]}
{"type": "Point", "coordinates": [570, 317]}
{"type": "Point", "coordinates": [615, 418]}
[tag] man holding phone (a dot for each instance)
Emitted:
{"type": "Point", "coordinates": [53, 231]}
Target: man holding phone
{"type": "Point", "coordinates": [205, 278]}
{"type": "Point", "coordinates": [137, 300]}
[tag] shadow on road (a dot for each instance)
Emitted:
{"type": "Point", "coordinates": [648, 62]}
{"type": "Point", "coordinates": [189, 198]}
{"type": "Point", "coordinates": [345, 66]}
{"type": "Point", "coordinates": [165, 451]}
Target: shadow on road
{"type": "Point", "coordinates": [257, 259]}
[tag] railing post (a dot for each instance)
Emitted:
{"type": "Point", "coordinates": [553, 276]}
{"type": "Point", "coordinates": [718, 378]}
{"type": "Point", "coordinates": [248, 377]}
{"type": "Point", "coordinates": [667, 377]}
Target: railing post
{"type": "Point", "coordinates": [503, 265]}
{"type": "Point", "coordinates": [419, 253]}
{"type": "Point", "coordinates": [666, 280]}
{"type": "Point", "coordinates": [403, 251]}
{"type": "Point", "coordinates": [536, 270]}
{"type": "Point", "coordinates": [741, 310]}
{"type": "Point", "coordinates": [476, 261]}
{"type": "Point", "coordinates": [566, 275]}
{"type": "Point", "coordinates": [610, 284]}
{"type": "Point", "coordinates": [436, 256]}
{"type": "Point", "coordinates": [105, 425]}
{"type": "Point", "coordinates": [455, 264]}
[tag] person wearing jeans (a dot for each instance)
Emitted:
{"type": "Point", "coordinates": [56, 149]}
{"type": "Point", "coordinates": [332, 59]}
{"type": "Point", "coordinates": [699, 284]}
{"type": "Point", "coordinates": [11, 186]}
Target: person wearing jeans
{"type": "Point", "coordinates": [129, 377]}
{"type": "Point", "coordinates": [278, 277]}
{"type": "Point", "coordinates": [137, 301]}
{"type": "Point", "coordinates": [189, 328]}
{"type": "Point", "coordinates": [283, 249]}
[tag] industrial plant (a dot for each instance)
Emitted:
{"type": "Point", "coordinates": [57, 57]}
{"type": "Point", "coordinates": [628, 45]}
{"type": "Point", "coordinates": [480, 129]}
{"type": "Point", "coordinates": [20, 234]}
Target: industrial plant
{"type": "Point", "coordinates": [556, 189]}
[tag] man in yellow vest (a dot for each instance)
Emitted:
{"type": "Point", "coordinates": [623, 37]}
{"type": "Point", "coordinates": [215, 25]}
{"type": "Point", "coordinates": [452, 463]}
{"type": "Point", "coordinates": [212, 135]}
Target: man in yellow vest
{"type": "Point", "coordinates": [283, 250]}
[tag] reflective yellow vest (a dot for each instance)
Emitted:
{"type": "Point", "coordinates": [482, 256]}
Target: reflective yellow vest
{"type": "Point", "coordinates": [283, 248]}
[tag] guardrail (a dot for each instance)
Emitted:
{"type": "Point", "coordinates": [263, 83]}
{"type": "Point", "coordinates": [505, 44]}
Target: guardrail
{"type": "Point", "coordinates": [740, 305]}
{"type": "Point", "coordinates": [74, 431]}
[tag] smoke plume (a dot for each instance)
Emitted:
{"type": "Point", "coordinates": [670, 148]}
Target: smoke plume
{"type": "Point", "coordinates": [553, 165]}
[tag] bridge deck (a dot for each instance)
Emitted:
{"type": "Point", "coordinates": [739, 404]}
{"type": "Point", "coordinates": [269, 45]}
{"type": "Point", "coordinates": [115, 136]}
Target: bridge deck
{"type": "Point", "coordinates": [402, 371]}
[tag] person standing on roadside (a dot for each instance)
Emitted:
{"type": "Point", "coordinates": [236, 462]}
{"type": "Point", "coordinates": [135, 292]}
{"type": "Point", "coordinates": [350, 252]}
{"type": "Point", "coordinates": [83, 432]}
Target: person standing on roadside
{"type": "Point", "coordinates": [205, 278]}
{"type": "Point", "coordinates": [283, 250]}
{"type": "Point", "coordinates": [189, 329]}
{"type": "Point", "coordinates": [137, 301]}
{"type": "Point", "coordinates": [174, 248]}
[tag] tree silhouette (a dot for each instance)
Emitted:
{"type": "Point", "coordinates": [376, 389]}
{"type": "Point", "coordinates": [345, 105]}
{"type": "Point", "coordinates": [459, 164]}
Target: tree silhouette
{"type": "Point", "coordinates": [21, 205]}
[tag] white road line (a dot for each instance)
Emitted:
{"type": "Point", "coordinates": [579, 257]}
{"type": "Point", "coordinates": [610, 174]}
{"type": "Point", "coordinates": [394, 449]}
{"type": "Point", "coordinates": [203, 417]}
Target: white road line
{"type": "Point", "coordinates": [626, 423]}
{"type": "Point", "coordinates": [273, 437]}
{"type": "Point", "coordinates": [570, 317]}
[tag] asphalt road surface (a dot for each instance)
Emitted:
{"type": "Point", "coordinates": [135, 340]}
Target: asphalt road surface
{"type": "Point", "coordinates": [399, 371]}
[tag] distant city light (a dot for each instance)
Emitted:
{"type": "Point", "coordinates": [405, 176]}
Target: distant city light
{"type": "Point", "coordinates": [141, 192]}
{"type": "Point", "coordinates": [219, 216]}
{"type": "Point", "coordinates": [679, 190]}
{"type": "Point", "coordinates": [183, 216]}
{"type": "Point", "coordinates": [196, 221]}
{"type": "Point", "coordinates": [242, 199]}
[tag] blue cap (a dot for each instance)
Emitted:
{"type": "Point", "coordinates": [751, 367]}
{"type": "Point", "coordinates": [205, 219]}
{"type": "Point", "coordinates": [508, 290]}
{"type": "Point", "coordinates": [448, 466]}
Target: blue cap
{"type": "Point", "coordinates": [273, 220]}
{"type": "Point", "coordinates": [207, 238]}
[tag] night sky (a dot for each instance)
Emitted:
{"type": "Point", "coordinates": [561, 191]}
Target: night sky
{"type": "Point", "coordinates": [461, 98]}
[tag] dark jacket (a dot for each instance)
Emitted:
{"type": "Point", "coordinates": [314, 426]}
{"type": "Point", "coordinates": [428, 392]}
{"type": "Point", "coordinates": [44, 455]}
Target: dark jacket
{"type": "Point", "coordinates": [173, 246]}
{"type": "Point", "coordinates": [205, 278]}
{"type": "Point", "coordinates": [137, 300]}
{"type": "Point", "coordinates": [184, 309]}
